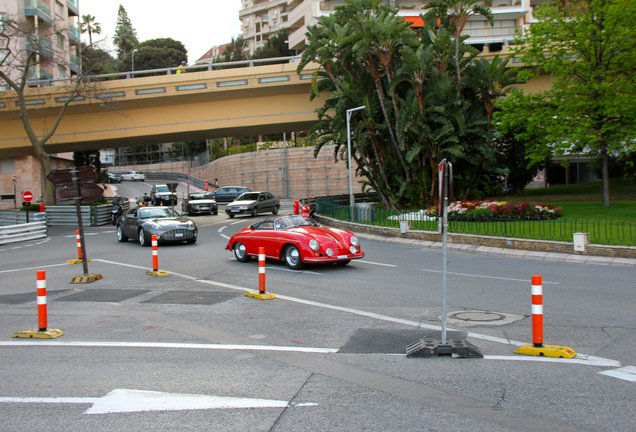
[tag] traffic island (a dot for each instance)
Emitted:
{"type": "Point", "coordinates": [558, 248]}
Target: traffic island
{"type": "Point", "coordinates": [86, 278]}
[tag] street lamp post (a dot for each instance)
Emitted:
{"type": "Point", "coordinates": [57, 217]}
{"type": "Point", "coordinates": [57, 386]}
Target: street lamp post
{"type": "Point", "coordinates": [133, 61]}
{"type": "Point", "coordinates": [351, 200]}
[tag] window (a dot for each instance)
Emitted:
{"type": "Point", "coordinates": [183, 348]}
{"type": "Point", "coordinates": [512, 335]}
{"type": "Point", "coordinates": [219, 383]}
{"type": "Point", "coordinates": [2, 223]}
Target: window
{"type": "Point", "coordinates": [7, 166]}
{"type": "Point", "coordinates": [60, 41]}
{"type": "Point", "coordinates": [59, 9]}
{"type": "Point", "coordinates": [3, 20]}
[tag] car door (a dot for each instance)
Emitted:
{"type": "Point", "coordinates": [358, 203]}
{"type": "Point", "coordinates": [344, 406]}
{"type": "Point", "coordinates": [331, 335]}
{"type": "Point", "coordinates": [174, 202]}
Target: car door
{"type": "Point", "coordinates": [267, 202]}
{"type": "Point", "coordinates": [130, 223]}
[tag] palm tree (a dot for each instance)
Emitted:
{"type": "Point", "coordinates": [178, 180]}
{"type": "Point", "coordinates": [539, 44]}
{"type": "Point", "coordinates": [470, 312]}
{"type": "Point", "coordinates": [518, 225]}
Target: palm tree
{"type": "Point", "coordinates": [88, 25]}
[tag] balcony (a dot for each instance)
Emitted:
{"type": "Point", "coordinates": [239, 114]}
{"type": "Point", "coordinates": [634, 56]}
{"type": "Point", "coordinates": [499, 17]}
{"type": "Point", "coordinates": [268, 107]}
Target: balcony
{"type": "Point", "coordinates": [73, 7]}
{"type": "Point", "coordinates": [74, 63]}
{"type": "Point", "coordinates": [37, 8]}
{"type": "Point", "coordinates": [44, 47]}
{"type": "Point", "coordinates": [73, 34]}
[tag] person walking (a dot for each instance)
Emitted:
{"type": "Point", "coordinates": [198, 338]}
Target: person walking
{"type": "Point", "coordinates": [182, 68]}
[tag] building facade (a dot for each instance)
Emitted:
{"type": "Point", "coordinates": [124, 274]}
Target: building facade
{"type": "Point", "coordinates": [262, 19]}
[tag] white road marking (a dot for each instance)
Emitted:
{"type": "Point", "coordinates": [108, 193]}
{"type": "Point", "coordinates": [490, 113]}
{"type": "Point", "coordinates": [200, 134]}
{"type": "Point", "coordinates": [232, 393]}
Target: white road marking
{"type": "Point", "coordinates": [627, 373]}
{"type": "Point", "coordinates": [32, 268]}
{"type": "Point", "coordinates": [126, 401]}
{"type": "Point", "coordinates": [487, 277]}
{"type": "Point", "coordinates": [376, 263]}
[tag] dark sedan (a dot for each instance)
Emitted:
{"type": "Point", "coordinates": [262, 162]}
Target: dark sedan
{"type": "Point", "coordinates": [169, 226]}
{"type": "Point", "coordinates": [229, 193]}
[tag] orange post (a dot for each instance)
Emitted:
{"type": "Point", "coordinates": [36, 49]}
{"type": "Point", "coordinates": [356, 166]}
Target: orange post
{"type": "Point", "coordinates": [41, 294]}
{"type": "Point", "coordinates": [261, 270]}
{"type": "Point", "coordinates": [537, 310]}
{"type": "Point", "coordinates": [155, 254]}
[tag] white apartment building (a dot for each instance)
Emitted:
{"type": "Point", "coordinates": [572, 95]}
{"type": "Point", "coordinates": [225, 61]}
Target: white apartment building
{"type": "Point", "coordinates": [262, 19]}
{"type": "Point", "coordinates": [57, 52]}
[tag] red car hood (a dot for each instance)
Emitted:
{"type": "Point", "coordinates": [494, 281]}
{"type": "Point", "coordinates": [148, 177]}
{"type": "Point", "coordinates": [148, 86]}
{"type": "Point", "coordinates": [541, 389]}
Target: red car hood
{"type": "Point", "coordinates": [327, 237]}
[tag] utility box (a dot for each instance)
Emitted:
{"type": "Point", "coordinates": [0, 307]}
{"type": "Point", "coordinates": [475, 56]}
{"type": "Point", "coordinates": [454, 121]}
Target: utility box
{"type": "Point", "coordinates": [580, 241]}
{"type": "Point", "coordinates": [404, 226]}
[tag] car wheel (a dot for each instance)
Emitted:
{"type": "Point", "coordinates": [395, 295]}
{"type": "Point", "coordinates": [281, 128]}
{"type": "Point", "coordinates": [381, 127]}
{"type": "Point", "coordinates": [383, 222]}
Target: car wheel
{"type": "Point", "coordinates": [292, 257]}
{"type": "Point", "coordinates": [216, 212]}
{"type": "Point", "coordinates": [275, 211]}
{"type": "Point", "coordinates": [120, 234]}
{"type": "Point", "coordinates": [231, 216]}
{"type": "Point", "coordinates": [343, 263]}
{"type": "Point", "coordinates": [255, 212]}
{"type": "Point", "coordinates": [240, 253]}
{"type": "Point", "coordinates": [192, 240]}
{"type": "Point", "coordinates": [143, 238]}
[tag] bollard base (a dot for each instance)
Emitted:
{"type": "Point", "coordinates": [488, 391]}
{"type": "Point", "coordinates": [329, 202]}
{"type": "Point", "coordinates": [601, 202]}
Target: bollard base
{"type": "Point", "coordinates": [39, 334]}
{"type": "Point", "coordinates": [158, 273]}
{"type": "Point", "coordinates": [260, 296]}
{"type": "Point", "coordinates": [76, 261]}
{"type": "Point", "coordinates": [546, 351]}
{"type": "Point", "coordinates": [86, 278]}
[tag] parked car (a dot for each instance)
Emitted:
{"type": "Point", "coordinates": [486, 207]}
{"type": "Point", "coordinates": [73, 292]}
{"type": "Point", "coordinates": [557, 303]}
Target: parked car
{"type": "Point", "coordinates": [296, 241]}
{"type": "Point", "coordinates": [164, 194]}
{"type": "Point", "coordinates": [113, 177]}
{"type": "Point", "coordinates": [229, 193]}
{"type": "Point", "coordinates": [200, 203]}
{"type": "Point", "coordinates": [169, 226]}
{"type": "Point", "coordinates": [133, 176]}
{"type": "Point", "coordinates": [253, 203]}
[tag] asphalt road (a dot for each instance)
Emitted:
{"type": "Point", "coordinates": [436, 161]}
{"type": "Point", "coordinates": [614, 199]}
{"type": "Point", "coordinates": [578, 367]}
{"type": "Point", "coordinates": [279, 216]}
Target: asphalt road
{"type": "Point", "coordinates": [189, 351]}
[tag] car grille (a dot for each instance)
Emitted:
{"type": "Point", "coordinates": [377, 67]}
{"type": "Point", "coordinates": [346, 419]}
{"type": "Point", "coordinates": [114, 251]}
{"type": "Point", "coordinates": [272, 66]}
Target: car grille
{"type": "Point", "coordinates": [178, 234]}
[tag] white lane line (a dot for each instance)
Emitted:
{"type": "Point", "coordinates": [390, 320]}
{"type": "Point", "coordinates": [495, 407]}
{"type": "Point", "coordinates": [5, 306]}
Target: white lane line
{"type": "Point", "coordinates": [579, 359]}
{"type": "Point", "coordinates": [487, 277]}
{"type": "Point", "coordinates": [376, 263]}
{"type": "Point", "coordinates": [32, 268]}
{"type": "Point", "coordinates": [170, 345]}
{"type": "Point", "coordinates": [627, 373]}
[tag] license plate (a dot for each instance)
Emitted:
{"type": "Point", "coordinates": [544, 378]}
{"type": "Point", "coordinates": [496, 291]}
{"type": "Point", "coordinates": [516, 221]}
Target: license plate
{"type": "Point", "coordinates": [178, 234]}
{"type": "Point", "coordinates": [342, 257]}
{"type": "Point", "coordinates": [234, 210]}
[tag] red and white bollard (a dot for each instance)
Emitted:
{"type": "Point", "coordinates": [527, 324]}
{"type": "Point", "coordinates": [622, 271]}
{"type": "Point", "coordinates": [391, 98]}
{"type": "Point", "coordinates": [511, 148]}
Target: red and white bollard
{"type": "Point", "coordinates": [41, 294]}
{"type": "Point", "coordinates": [261, 270]}
{"type": "Point", "coordinates": [261, 294]}
{"type": "Point", "coordinates": [155, 253]}
{"type": "Point", "coordinates": [296, 207]}
{"type": "Point", "coordinates": [78, 240]}
{"type": "Point", "coordinates": [537, 310]}
{"type": "Point", "coordinates": [155, 259]}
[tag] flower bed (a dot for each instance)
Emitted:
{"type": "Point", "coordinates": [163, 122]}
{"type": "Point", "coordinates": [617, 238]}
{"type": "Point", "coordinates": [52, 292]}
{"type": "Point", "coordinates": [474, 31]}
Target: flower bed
{"type": "Point", "coordinates": [485, 210]}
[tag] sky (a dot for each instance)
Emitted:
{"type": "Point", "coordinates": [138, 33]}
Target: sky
{"type": "Point", "coordinates": [198, 24]}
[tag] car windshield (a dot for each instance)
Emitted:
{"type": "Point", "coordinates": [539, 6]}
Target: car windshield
{"type": "Point", "coordinates": [156, 213]}
{"type": "Point", "coordinates": [292, 222]}
{"type": "Point", "coordinates": [162, 189]}
{"type": "Point", "coordinates": [248, 196]}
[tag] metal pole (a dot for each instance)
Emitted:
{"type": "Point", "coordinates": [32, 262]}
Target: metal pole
{"type": "Point", "coordinates": [351, 200]}
{"type": "Point", "coordinates": [133, 61]}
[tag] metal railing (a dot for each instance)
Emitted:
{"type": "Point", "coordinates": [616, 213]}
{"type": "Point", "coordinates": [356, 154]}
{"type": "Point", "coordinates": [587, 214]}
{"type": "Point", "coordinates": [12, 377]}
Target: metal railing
{"type": "Point", "coordinates": [602, 232]}
{"type": "Point", "coordinates": [22, 232]}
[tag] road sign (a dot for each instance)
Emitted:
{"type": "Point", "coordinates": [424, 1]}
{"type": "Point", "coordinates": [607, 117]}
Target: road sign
{"type": "Point", "coordinates": [27, 196]}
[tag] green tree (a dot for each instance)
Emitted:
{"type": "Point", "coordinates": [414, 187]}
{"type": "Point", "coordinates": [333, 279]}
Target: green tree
{"type": "Point", "coordinates": [234, 51]}
{"type": "Point", "coordinates": [125, 38]}
{"type": "Point", "coordinates": [96, 61]}
{"type": "Point", "coordinates": [417, 111]}
{"type": "Point", "coordinates": [276, 46]}
{"type": "Point", "coordinates": [588, 49]}
{"type": "Point", "coordinates": [159, 53]}
{"type": "Point", "coordinates": [90, 26]}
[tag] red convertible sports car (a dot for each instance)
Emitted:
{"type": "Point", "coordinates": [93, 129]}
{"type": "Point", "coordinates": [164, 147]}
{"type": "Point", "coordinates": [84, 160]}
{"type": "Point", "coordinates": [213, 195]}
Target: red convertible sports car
{"type": "Point", "coordinates": [296, 241]}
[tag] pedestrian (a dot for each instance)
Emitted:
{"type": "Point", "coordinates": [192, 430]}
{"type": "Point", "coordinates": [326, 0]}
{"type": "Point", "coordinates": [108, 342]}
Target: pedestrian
{"type": "Point", "coordinates": [182, 68]}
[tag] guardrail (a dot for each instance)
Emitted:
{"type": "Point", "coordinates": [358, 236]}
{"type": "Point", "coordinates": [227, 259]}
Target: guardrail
{"type": "Point", "coordinates": [14, 217]}
{"type": "Point", "coordinates": [22, 232]}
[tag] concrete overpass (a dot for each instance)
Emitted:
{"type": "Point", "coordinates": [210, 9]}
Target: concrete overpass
{"type": "Point", "coordinates": [165, 108]}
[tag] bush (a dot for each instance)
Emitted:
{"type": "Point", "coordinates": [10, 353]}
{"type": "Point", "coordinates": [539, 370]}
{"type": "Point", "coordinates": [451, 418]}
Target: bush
{"type": "Point", "coordinates": [469, 210]}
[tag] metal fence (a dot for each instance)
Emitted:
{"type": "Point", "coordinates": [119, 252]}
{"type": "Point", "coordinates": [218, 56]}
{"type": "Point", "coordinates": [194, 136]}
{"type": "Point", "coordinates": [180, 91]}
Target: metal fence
{"type": "Point", "coordinates": [599, 232]}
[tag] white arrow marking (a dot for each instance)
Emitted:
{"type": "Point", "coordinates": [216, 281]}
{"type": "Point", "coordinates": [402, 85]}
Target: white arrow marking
{"type": "Point", "coordinates": [124, 400]}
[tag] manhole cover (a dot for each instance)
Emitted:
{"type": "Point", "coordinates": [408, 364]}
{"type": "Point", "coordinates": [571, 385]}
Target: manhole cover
{"type": "Point", "coordinates": [477, 317]}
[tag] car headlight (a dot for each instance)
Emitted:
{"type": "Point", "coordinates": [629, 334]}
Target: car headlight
{"type": "Point", "coordinates": [314, 245]}
{"type": "Point", "coordinates": [353, 249]}
{"type": "Point", "coordinates": [329, 252]}
{"type": "Point", "coordinates": [354, 241]}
